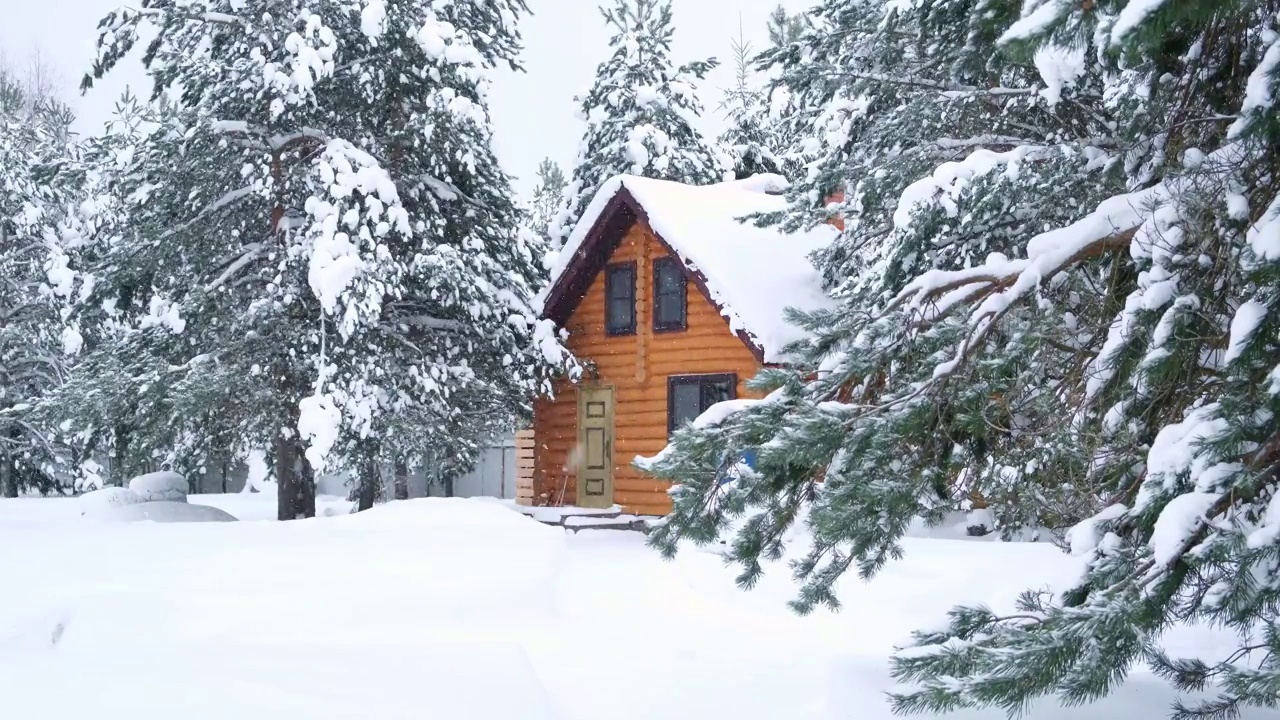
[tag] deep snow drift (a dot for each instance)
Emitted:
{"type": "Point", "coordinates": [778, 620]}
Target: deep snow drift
{"type": "Point", "coordinates": [459, 609]}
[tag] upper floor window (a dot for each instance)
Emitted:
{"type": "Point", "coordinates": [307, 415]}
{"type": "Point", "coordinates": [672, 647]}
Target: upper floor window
{"type": "Point", "coordinates": [620, 299]}
{"type": "Point", "coordinates": [669, 295]}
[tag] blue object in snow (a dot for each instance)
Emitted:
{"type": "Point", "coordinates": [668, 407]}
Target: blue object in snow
{"type": "Point", "coordinates": [729, 470]}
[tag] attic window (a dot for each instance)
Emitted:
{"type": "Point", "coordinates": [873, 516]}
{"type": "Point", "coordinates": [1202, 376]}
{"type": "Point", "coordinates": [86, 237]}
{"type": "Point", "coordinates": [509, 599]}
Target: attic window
{"type": "Point", "coordinates": [669, 295]}
{"type": "Point", "coordinates": [620, 299]}
{"type": "Point", "coordinates": [688, 396]}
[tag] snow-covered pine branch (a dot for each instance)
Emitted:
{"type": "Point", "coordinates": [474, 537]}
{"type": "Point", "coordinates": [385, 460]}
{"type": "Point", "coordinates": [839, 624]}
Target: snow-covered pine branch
{"type": "Point", "coordinates": [1067, 326]}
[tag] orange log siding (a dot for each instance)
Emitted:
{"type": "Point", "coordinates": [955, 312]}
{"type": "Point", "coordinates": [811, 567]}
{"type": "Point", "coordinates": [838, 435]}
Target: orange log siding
{"type": "Point", "coordinates": [637, 366]}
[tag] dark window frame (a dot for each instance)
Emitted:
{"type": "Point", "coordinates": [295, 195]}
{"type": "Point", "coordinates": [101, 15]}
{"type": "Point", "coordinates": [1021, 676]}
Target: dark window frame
{"type": "Point", "coordinates": [701, 381]}
{"type": "Point", "coordinates": [609, 273]}
{"type": "Point", "coordinates": [678, 267]}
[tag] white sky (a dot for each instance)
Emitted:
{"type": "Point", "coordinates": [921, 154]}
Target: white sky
{"type": "Point", "coordinates": [533, 112]}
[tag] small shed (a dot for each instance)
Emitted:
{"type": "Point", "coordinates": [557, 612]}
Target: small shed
{"type": "Point", "coordinates": [672, 302]}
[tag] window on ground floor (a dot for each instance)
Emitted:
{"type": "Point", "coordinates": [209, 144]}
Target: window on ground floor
{"type": "Point", "coordinates": [688, 396]}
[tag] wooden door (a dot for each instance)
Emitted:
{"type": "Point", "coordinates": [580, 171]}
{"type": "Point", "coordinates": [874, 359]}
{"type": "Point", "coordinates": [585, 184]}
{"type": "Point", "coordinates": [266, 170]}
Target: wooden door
{"type": "Point", "coordinates": [595, 441]}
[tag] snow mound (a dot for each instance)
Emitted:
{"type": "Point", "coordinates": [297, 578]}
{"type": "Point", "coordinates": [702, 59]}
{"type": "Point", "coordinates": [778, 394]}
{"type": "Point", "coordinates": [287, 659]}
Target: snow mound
{"type": "Point", "coordinates": [164, 485]}
{"type": "Point", "coordinates": [107, 498]}
{"type": "Point", "coordinates": [443, 515]}
{"type": "Point", "coordinates": [163, 511]}
{"type": "Point", "coordinates": [484, 680]}
{"type": "Point", "coordinates": [470, 610]}
{"type": "Point", "coordinates": [261, 506]}
{"type": "Point", "coordinates": [521, 559]}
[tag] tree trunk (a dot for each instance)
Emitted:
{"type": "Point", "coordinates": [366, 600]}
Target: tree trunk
{"type": "Point", "coordinates": [370, 486]}
{"type": "Point", "coordinates": [447, 482]}
{"type": "Point", "coordinates": [9, 468]}
{"type": "Point", "coordinates": [120, 451]}
{"type": "Point", "coordinates": [402, 480]}
{"type": "Point", "coordinates": [295, 481]}
{"type": "Point", "coordinates": [365, 496]}
{"type": "Point", "coordinates": [8, 476]}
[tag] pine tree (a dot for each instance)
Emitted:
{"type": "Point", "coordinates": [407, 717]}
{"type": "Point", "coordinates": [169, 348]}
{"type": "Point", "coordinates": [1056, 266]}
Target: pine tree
{"type": "Point", "coordinates": [750, 139]}
{"type": "Point", "coordinates": [785, 28]}
{"type": "Point", "coordinates": [546, 197]}
{"type": "Point", "coordinates": [783, 115]}
{"type": "Point", "coordinates": [640, 112]}
{"type": "Point", "coordinates": [40, 186]}
{"type": "Point", "coordinates": [863, 97]}
{"type": "Point", "coordinates": [485, 266]}
{"type": "Point", "coordinates": [320, 249]}
{"type": "Point", "coordinates": [1058, 302]}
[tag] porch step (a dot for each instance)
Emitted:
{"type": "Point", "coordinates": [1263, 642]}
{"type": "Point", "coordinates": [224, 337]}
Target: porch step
{"type": "Point", "coordinates": [575, 519]}
{"type": "Point", "coordinates": [636, 523]}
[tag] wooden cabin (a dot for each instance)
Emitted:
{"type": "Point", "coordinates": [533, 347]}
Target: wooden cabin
{"type": "Point", "coordinates": [671, 304]}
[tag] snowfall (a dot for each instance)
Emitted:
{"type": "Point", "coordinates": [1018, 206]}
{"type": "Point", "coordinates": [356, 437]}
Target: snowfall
{"type": "Point", "coordinates": [451, 608]}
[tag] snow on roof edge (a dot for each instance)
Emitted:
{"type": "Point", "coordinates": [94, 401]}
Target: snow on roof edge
{"type": "Point", "coordinates": [574, 242]}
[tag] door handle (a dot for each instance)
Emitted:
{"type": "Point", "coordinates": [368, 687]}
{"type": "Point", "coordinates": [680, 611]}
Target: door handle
{"type": "Point", "coordinates": [608, 448]}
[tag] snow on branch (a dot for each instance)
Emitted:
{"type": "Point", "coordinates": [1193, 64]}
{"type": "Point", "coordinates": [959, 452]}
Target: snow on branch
{"type": "Point", "coordinates": [230, 198]}
{"type": "Point", "coordinates": [354, 204]}
{"type": "Point", "coordinates": [1000, 282]}
{"type": "Point", "coordinates": [1013, 286]}
{"type": "Point", "coordinates": [949, 90]}
{"type": "Point", "coordinates": [251, 252]}
{"type": "Point", "coordinates": [282, 142]}
{"type": "Point", "coordinates": [273, 142]}
{"type": "Point", "coordinates": [213, 17]}
{"type": "Point", "coordinates": [1111, 226]}
{"type": "Point", "coordinates": [449, 192]}
{"type": "Point", "coordinates": [431, 323]}
{"type": "Point", "coordinates": [980, 140]}
{"type": "Point", "coordinates": [949, 179]}
{"type": "Point", "coordinates": [217, 17]}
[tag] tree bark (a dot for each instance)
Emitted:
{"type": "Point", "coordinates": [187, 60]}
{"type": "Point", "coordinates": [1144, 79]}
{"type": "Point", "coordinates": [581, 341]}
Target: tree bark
{"type": "Point", "coordinates": [120, 452]}
{"type": "Point", "coordinates": [402, 480]}
{"type": "Point", "coordinates": [447, 482]}
{"type": "Point", "coordinates": [370, 485]}
{"type": "Point", "coordinates": [9, 468]}
{"type": "Point", "coordinates": [295, 481]}
{"type": "Point", "coordinates": [8, 476]}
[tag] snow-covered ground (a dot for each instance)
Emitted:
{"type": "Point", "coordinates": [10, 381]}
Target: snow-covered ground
{"type": "Point", "coordinates": [459, 609]}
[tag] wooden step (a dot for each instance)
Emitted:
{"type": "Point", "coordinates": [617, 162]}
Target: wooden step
{"type": "Point", "coordinates": [634, 523]}
{"type": "Point", "coordinates": [557, 515]}
{"type": "Point", "coordinates": [575, 519]}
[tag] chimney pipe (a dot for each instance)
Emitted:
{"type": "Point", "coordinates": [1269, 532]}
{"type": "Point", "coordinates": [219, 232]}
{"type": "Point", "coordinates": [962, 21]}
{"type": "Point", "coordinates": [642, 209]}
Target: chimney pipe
{"type": "Point", "coordinates": [836, 220]}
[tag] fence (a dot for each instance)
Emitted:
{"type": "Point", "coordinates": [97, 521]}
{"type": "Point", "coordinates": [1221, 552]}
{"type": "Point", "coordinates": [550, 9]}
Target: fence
{"type": "Point", "coordinates": [505, 470]}
{"type": "Point", "coordinates": [493, 476]}
{"type": "Point", "coordinates": [524, 467]}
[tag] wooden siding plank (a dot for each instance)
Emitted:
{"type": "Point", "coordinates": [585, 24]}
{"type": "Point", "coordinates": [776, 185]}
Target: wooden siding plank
{"type": "Point", "coordinates": [644, 484]}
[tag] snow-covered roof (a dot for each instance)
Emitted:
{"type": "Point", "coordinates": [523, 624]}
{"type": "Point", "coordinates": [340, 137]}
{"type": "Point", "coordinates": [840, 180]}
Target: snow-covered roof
{"type": "Point", "coordinates": [753, 274]}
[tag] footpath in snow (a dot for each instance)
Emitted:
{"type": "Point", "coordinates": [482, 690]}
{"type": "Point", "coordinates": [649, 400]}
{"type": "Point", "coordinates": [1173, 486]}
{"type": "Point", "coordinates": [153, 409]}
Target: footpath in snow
{"type": "Point", "coordinates": [460, 609]}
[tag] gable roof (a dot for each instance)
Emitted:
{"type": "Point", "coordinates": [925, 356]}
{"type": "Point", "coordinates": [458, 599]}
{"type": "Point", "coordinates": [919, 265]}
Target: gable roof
{"type": "Point", "coordinates": [750, 274]}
